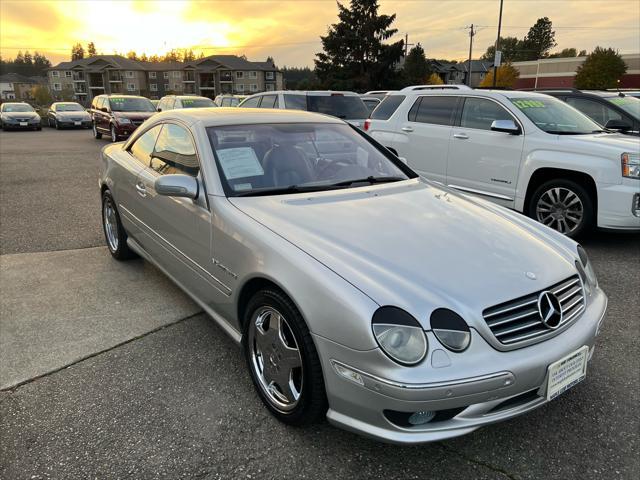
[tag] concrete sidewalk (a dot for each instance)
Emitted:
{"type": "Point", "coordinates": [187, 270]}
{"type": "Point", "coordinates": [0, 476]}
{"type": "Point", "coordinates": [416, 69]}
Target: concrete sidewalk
{"type": "Point", "coordinates": [59, 307]}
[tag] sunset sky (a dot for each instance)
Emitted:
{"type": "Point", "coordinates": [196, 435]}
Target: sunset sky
{"type": "Point", "coordinates": [289, 30]}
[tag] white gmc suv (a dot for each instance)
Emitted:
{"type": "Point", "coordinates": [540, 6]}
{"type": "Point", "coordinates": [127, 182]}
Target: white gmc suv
{"type": "Point", "coordinates": [523, 150]}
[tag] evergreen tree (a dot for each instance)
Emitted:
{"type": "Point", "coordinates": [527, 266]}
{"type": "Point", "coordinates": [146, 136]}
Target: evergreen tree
{"type": "Point", "coordinates": [601, 70]}
{"type": "Point", "coordinates": [77, 52]}
{"type": "Point", "coordinates": [416, 68]}
{"type": "Point", "coordinates": [354, 56]}
{"type": "Point", "coordinates": [539, 40]}
{"type": "Point", "coordinates": [188, 55]}
{"type": "Point", "coordinates": [91, 49]}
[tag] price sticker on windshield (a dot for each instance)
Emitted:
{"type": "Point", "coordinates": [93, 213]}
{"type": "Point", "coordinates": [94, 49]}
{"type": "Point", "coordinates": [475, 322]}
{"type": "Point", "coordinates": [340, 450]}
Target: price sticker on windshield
{"type": "Point", "coordinates": [239, 162]}
{"type": "Point", "coordinates": [522, 104]}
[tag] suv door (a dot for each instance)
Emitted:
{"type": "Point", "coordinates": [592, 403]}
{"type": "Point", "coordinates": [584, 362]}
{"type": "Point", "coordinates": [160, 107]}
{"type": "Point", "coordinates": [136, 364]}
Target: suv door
{"type": "Point", "coordinates": [177, 231]}
{"type": "Point", "coordinates": [480, 160]}
{"type": "Point", "coordinates": [423, 136]}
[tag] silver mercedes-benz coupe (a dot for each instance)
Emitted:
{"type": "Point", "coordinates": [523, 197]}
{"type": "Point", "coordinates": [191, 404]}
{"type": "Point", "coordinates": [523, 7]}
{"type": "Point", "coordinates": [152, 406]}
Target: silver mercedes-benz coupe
{"type": "Point", "coordinates": [359, 291]}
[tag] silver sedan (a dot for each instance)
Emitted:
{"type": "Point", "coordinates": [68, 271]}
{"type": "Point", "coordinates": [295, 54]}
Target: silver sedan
{"type": "Point", "coordinates": [358, 291]}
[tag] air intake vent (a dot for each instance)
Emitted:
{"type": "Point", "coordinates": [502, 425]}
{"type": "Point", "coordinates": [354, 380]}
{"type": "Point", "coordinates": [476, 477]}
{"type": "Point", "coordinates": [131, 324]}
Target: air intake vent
{"type": "Point", "coordinates": [519, 320]}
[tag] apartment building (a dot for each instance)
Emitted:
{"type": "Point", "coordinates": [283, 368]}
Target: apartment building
{"type": "Point", "coordinates": [84, 79]}
{"type": "Point", "coordinates": [14, 86]}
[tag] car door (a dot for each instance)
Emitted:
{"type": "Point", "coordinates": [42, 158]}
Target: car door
{"type": "Point", "coordinates": [480, 160]}
{"type": "Point", "coordinates": [104, 114]}
{"type": "Point", "coordinates": [423, 135]}
{"type": "Point", "coordinates": [177, 231]}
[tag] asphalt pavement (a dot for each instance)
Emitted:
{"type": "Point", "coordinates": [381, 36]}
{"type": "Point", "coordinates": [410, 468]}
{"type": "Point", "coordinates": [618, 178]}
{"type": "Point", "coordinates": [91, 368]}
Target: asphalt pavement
{"type": "Point", "coordinates": [114, 382]}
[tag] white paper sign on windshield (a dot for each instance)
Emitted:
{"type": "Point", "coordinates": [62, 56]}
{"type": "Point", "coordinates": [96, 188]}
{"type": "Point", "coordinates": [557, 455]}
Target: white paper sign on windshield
{"type": "Point", "coordinates": [239, 162]}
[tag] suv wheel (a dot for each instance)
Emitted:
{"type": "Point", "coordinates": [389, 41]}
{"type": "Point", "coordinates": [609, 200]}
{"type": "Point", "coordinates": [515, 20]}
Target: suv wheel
{"type": "Point", "coordinates": [96, 133]}
{"type": "Point", "coordinates": [114, 136]}
{"type": "Point", "coordinates": [563, 205]}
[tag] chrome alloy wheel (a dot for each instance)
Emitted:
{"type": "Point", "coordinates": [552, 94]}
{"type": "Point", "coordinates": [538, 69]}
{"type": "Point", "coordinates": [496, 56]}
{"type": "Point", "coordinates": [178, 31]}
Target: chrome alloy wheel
{"type": "Point", "coordinates": [560, 209]}
{"type": "Point", "coordinates": [110, 224]}
{"type": "Point", "coordinates": [275, 358]}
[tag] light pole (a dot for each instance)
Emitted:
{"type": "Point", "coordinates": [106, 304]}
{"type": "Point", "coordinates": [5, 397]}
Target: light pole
{"type": "Point", "coordinates": [495, 67]}
{"type": "Point", "coordinates": [471, 34]}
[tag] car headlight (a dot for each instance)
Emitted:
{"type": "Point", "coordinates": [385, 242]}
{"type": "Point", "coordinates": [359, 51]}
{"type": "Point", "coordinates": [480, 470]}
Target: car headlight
{"type": "Point", "coordinates": [630, 165]}
{"type": "Point", "coordinates": [450, 329]}
{"type": "Point", "coordinates": [124, 120]}
{"type": "Point", "coordinates": [585, 270]}
{"type": "Point", "coordinates": [399, 335]}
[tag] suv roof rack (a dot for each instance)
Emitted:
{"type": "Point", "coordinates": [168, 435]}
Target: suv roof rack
{"type": "Point", "coordinates": [417, 88]}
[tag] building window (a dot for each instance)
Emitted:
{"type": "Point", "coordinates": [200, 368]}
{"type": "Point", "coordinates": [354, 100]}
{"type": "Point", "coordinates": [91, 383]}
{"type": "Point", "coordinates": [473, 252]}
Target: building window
{"type": "Point", "coordinates": [67, 74]}
{"type": "Point", "coordinates": [177, 74]}
{"type": "Point", "coordinates": [253, 74]}
{"type": "Point", "coordinates": [166, 87]}
{"type": "Point", "coordinates": [55, 73]}
{"type": "Point", "coordinates": [131, 87]}
{"type": "Point", "coordinates": [57, 87]}
{"type": "Point", "coordinates": [269, 75]}
{"type": "Point", "coordinates": [253, 87]}
{"type": "Point", "coordinates": [239, 74]}
{"type": "Point", "coordinates": [166, 75]}
{"type": "Point", "coordinates": [270, 87]}
{"type": "Point", "coordinates": [240, 88]}
{"type": "Point", "coordinates": [152, 74]}
{"type": "Point", "coordinates": [153, 87]}
{"type": "Point", "coordinates": [128, 74]}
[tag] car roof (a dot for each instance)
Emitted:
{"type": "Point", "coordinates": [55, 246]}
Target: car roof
{"type": "Point", "coordinates": [220, 116]}
{"type": "Point", "coordinates": [310, 92]}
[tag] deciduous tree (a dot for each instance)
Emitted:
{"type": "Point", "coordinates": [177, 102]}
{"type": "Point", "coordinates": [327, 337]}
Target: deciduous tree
{"type": "Point", "coordinates": [601, 70]}
{"type": "Point", "coordinates": [507, 76]}
{"type": "Point", "coordinates": [434, 79]}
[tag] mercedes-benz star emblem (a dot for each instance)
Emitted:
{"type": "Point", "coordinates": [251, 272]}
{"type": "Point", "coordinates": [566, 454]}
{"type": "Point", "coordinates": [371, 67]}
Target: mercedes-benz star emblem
{"type": "Point", "coordinates": [550, 310]}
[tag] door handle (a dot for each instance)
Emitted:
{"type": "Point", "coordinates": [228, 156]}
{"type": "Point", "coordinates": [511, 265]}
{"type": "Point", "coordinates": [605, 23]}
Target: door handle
{"type": "Point", "coordinates": [142, 190]}
{"type": "Point", "coordinates": [461, 136]}
{"type": "Point", "coordinates": [407, 129]}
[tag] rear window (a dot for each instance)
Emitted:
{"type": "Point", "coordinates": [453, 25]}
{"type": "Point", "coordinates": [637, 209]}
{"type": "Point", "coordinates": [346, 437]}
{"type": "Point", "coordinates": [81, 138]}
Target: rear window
{"type": "Point", "coordinates": [295, 102]}
{"type": "Point", "coordinates": [348, 107]}
{"type": "Point", "coordinates": [387, 108]}
{"type": "Point", "coordinates": [434, 110]}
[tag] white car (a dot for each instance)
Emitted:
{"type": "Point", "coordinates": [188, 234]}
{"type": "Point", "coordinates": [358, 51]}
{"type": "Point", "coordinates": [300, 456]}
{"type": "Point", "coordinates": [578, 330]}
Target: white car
{"type": "Point", "coordinates": [523, 150]}
{"type": "Point", "coordinates": [347, 106]}
{"type": "Point", "coordinates": [228, 100]}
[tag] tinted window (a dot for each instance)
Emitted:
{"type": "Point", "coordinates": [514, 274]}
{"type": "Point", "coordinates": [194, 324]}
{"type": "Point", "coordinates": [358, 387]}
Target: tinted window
{"type": "Point", "coordinates": [348, 107]}
{"type": "Point", "coordinates": [269, 101]}
{"type": "Point", "coordinates": [388, 106]}
{"type": "Point", "coordinates": [17, 107]}
{"type": "Point", "coordinates": [595, 110]}
{"type": "Point", "coordinates": [435, 110]}
{"type": "Point", "coordinates": [481, 113]}
{"type": "Point", "coordinates": [251, 102]}
{"type": "Point", "coordinates": [371, 104]}
{"type": "Point", "coordinates": [131, 104]}
{"type": "Point", "coordinates": [628, 104]}
{"type": "Point", "coordinates": [143, 146]}
{"type": "Point", "coordinates": [295, 102]}
{"type": "Point", "coordinates": [174, 152]}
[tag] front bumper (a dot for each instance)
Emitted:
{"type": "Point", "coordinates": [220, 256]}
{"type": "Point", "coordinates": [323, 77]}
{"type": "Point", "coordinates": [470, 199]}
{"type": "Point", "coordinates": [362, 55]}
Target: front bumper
{"type": "Point", "coordinates": [20, 125]}
{"type": "Point", "coordinates": [616, 204]}
{"type": "Point", "coordinates": [475, 385]}
{"type": "Point", "coordinates": [73, 124]}
{"type": "Point", "coordinates": [125, 130]}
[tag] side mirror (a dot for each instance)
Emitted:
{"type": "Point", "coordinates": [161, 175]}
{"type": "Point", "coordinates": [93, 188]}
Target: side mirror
{"type": "Point", "coordinates": [177, 186]}
{"type": "Point", "coordinates": [620, 125]}
{"type": "Point", "coordinates": [505, 126]}
{"type": "Point", "coordinates": [104, 109]}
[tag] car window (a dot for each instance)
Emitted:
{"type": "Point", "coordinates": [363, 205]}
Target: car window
{"type": "Point", "coordinates": [197, 103]}
{"type": "Point", "coordinates": [348, 107]}
{"type": "Point", "coordinates": [387, 108]}
{"type": "Point", "coordinates": [130, 104]}
{"type": "Point", "coordinates": [174, 152]}
{"type": "Point", "coordinates": [371, 104]}
{"type": "Point", "coordinates": [629, 104]}
{"type": "Point", "coordinates": [269, 101]}
{"type": "Point", "coordinates": [251, 102]}
{"type": "Point", "coordinates": [595, 110]}
{"type": "Point", "coordinates": [480, 113]}
{"type": "Point", "coordinates": [295, 102]}
{"type": "Point", "coordinates": [100, 103]}
{"type": "Point", "coordinates": [142, 148]}
{"type": "Point", "coordinates": [555, 116]}
{"type": "Point", "coordinates": [434, 110]}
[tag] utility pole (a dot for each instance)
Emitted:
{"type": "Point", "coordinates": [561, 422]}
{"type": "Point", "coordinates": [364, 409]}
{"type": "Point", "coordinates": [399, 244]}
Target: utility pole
{"type": "Point", "coordinates": [472, 32]}
{"type": "Point", "coordinates": [407, 44]}
{"type": "Point", "coordinates": [497, 48]}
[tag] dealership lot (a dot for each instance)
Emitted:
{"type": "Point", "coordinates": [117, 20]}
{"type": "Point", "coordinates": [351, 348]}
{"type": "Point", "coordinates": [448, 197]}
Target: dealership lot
{"type": "Point", "coordinates": [109, 371]}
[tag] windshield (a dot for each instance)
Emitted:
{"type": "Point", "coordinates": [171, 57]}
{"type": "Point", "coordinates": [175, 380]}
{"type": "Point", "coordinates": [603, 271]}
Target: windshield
{"type": "Point", "coordinates": [630, 105]}
{"type": "Point", "coordinates": [127, 104]}
{"type": "Point", "coordinates": [197, 103]}
{"type": "Point", "coordinates": [348, 107]}
{"type": "Point", "coordinates": [16, 107]}
{"type": "Point", "coordinates": [69, 107]}
{"type": "Point", "coordinates": [555, 117]}
{"type": "Point", "coordinates": [274, 159]}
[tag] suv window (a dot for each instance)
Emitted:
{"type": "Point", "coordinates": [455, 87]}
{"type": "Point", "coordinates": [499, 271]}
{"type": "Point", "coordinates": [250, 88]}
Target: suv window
{"type": "Point", "coordinates": [99, 103]}
{"type": "Point", "coordinates": [142, 148]}
{"type": "Point", "coordinates": [387, 108]}
{"type": "Point", "coordinates": [435, 110]}
{"type": "Point", "coordinates": [174, 152]}
{"type": "Point", "coordinates": [480, 113]}
{"type": "Point", "coordinates": [251, 102]}
{"type": "Point", "coordinates": [595, 110]}
{"type": "Point", "coordinates": [348, 107]}
{"type": "Point", "coordinates": [269, 101]}
{"type": "Point", "coordinates": [295, 102]}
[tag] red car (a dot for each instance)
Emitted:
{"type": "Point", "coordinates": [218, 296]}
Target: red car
{"type": "Point", "coordinates": [119, 115]}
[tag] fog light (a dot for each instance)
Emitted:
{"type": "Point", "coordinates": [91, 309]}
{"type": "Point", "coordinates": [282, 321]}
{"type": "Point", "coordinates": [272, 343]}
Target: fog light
{"type": "Point", "coordinates": [420, 418]}
{"type": "Point", "coordinates": [347, 373]}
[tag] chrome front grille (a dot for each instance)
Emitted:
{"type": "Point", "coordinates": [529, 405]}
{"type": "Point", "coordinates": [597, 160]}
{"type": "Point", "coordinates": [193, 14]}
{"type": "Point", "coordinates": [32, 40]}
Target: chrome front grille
{"type": "Point", "coordinates": [519, 320]}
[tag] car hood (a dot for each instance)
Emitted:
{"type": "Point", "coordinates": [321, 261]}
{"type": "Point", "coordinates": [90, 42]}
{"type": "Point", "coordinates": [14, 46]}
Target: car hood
{"type": "Point", "coordinates": [17, 115]}
{"type": "Point", "coordinates": [417, 246]}
{"type": "Point", "coordinates": [82, 114]}
{"type": "Point", "coordinates": [602, 143]}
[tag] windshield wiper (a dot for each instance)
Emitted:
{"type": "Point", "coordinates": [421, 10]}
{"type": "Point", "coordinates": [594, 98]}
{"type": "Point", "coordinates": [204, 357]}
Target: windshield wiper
{"type": "Point", "coordinates": [284, 190]}
{"type": "Point", "coordinates": [371, 180]}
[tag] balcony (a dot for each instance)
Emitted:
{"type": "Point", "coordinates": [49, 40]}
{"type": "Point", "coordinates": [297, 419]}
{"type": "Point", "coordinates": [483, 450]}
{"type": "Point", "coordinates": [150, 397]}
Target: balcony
{"type": "Point", "coordinates": [78, 76]}
{"type": "Point", "coordinates": [188, 77]}
{"type": "Point", "coordinates": [226, 77]}
{"type": "Point", "coordinates": [207, 80]}
{"type": "Point", "coordinates": [96, 80]}
{"type": "Point", "coordinates": [80, 88]}
{"type": "Point", "coordinates": [190, 88]}
{"type": "Point", "coordinates": [115, 77]}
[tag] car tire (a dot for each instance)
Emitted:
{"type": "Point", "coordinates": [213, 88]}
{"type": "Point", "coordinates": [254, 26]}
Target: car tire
{"type": "Point", "coordinates": [39, 128]}
{"type": "Point", "coordinates": [291, 337]}
{"type": "Point", "coordinates": [114, 233]}
{"type": "Point", "coordinates": [96, 134]}
{"type": "Point", "coordinates": [114, 135]}
{"type": "Point", "coordinates": [49, 122]}
{"type": "Point", "coordinates": [56, 124]}
{"type": "Point", "coordinates": [563, 205]}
